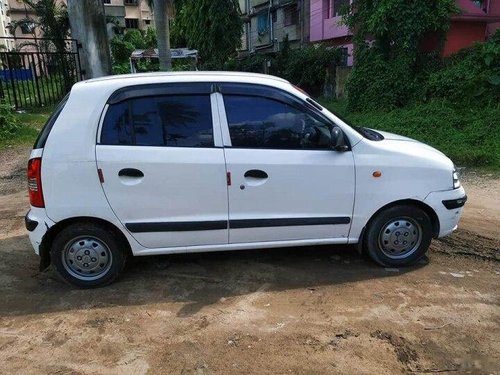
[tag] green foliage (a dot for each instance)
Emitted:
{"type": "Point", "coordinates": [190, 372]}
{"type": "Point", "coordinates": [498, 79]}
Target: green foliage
{"type": "Point", "coordinates": [121, 68]}
{"type": "Point", "coordinates": [308, 67]}
{"type": "Point", "coordinates": [388, 36]}
{"type": "Point", "coordinates": [468, 135]}
{"type": "Point", "coordinates": [9, 126]}
{"type": "Point", "coordinates": [51, 17]}
{"type": "Point", "coordinates": [214, 28]}
{"type": "Point", "coordinates": [135, 38]}
{"type": "Point", "coordinates": [122, 47]}
{"type": "Point", "coordinates": [150, 38]}
{"type": "Point", "coordinates": [121, 50]}
{"type": "Point", "coordinates": [471, 76]}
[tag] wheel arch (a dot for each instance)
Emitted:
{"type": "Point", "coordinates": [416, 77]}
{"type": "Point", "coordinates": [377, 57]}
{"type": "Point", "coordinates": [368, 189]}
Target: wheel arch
{"type": "Point", "coordinates": [404, 202]}
{"type": "Point", "coordinates": [52, 232]}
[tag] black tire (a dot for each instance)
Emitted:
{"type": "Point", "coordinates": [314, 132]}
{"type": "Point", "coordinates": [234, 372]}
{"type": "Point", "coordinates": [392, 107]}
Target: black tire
{"type": "Point", "coordinates": [383, 241]}
{"type": "Point", "coordinates": [101, 255]}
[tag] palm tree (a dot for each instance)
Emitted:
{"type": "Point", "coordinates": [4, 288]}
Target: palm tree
{"type": "Point", "coordinates": [162, 9]}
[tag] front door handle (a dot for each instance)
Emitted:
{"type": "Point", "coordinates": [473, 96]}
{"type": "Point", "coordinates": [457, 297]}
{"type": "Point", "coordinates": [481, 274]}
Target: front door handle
{"type": "Point", "coordinates": [131, 172]}
{"type": "Point", "coordinates": [256, 173]}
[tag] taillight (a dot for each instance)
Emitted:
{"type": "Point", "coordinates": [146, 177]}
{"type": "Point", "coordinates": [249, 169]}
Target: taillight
{"type": "Point", "coordinates": [35, 182]}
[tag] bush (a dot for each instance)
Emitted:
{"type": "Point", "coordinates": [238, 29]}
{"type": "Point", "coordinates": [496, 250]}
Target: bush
{"type": "Point", "coordinates": [135, 38]}
{"type": "Point", "coordinates": [389, 36]}
{"type": "Point", "coordinates": [309, 67]}
{"type": "Point", "coordinates": [121, 50]}
{"type": "Point", "coordinates": [9, 126]}
{"type": "Point", "coordinates": [469, 136]}
{"type": "Point", "coordinates": [470, 77]}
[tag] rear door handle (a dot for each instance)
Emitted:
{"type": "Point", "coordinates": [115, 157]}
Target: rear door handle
{"type": "Point", "coordinates": [131, 172]}
{"type": "Point", "coordinates": [256, 173]}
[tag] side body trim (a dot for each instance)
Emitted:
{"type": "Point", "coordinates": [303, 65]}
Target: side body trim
{"type": "Point", "coordinates": [182, 226]}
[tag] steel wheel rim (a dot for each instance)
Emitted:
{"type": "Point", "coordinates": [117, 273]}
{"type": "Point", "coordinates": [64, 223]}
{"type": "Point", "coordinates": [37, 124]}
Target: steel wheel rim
{"type": "Point", "coordinates": [86, 258]}
{"type": "Point", "coordinates": [400, 237]}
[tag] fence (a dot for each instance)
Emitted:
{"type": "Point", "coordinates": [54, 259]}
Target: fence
{"type": "Point", "coordinates": [38, 71]}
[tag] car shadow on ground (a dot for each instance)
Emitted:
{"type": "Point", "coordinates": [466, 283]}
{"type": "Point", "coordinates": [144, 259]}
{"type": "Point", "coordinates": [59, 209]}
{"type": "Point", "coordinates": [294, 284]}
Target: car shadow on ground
{"type": "Point", "coordinates": [192, 280]}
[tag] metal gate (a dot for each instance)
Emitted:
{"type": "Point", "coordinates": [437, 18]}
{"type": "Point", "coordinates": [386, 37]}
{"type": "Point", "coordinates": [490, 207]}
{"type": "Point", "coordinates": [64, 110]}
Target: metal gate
{"type": "Point", "coordinates": [37, 72]}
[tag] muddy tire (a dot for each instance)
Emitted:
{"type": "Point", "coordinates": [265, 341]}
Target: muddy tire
{"type": "Point", "coordinates": [398, 236]}
{"type": "Point", "coordinates": [87, 255]}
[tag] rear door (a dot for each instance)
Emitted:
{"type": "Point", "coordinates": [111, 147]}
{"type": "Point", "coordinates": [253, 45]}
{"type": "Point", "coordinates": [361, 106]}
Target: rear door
{"type": "Point", "coordinates": [287, 182]}
{"type": "Point", "coordinates": [162, 164]}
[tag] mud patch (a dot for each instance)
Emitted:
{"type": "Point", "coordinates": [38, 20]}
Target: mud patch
{"type": "Point", "coordinates": [404, 353]}
{"type": "Point", "coordinates": [464, 242]}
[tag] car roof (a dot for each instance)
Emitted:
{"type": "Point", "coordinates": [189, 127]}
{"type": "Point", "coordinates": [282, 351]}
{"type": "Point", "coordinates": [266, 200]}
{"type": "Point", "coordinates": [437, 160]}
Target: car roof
{"type": "Point", "coordinates": [138, 78]}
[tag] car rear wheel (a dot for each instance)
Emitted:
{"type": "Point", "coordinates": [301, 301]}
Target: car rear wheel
{"type": "Point", "coordinates": [398, 236]}
{"type": "Point", "coordinates": [87, 255]}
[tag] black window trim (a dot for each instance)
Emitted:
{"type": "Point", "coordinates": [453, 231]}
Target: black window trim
{"type": "Point", "coordinates": [160, 89]}
{"type": "Point", "coordinates": [279, 95]}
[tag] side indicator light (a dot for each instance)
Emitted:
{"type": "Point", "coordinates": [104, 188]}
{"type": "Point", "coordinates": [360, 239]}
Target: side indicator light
{"type": "Point", "coordinates": [377, 174]}
{"type": "Point", "coordinates": [228, 178]}
{"type": "Point", "coordinates": [101, 176]}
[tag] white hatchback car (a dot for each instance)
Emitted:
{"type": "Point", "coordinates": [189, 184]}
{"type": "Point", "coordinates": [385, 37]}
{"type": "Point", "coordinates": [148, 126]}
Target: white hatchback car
{"type": "Point", "coordinates": [190, 162]}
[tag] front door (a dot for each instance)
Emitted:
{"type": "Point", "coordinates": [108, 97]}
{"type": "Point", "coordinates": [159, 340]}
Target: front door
{"type": "Point", "coordinates": [286, 182]}
{"type": "Point", "coordinates": [163, 176]}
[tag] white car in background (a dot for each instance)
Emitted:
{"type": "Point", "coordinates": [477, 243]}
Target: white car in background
{"type": "Point", "coordinates": [152, 164]}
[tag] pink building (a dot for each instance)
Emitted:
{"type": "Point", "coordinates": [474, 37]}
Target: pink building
{"type": "Point", "coordinates": [326, 27]}
{"type": "Point", "coordinates": [478, 20]}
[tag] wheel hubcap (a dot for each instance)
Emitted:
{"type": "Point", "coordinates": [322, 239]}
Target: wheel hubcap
{"type": "Point", "coordinates": [86, 258]}
{"type": "Point", "coordinates": [399, 238]}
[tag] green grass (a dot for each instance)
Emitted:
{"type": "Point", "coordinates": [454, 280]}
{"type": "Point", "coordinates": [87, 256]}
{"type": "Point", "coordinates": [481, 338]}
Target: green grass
{"type": "Point", "coordinates": [469, 136]}
{"type": "Point", "coordinates": [30, 125]}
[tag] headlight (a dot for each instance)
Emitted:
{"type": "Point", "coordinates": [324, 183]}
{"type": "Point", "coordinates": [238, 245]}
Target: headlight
{"type": "Point", "coordinates": [456, 181]}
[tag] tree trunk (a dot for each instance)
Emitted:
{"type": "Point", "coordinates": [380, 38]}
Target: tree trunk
{"type": "Point", "coordinates": [88, 26]}
{"type": "Point", "coordinates": [160, 10]}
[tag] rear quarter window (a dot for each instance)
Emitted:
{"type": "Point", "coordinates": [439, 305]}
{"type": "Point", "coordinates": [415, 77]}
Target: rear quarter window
{"type": "Point", "coordinates": [44, 134]}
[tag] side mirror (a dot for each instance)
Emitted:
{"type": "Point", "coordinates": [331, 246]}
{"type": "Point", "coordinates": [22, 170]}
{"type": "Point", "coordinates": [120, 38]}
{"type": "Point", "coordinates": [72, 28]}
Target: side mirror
{"type": "Point", "coordinates": [337, 140]}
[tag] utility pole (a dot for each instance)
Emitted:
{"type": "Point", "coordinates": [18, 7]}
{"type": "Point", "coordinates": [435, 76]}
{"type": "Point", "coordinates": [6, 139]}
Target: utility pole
{"type": "Point", "coordinates": [88, 26]}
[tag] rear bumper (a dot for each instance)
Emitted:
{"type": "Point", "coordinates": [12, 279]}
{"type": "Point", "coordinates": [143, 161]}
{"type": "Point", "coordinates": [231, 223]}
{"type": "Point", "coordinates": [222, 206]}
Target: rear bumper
{"type": "Point", "coordinates": [37, 223]}
{"type": "Point", "coordinates": [448, 205]}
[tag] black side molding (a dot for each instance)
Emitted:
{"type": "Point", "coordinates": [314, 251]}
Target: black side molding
{"type": "Point", "coordinates": [286, 222]}
{"type": "Point", "coordinates": [183, 226]}
{"type": "Point", "coordinates": [455, 203]}
{"type": "Point", "coordinates": [29, 223]}
{"type": "Point", "coordinates": [178, 226]}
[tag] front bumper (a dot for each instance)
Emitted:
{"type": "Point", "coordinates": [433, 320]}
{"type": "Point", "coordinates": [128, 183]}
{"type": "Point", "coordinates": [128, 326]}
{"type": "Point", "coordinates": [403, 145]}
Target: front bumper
{"type": "Point", "coordinates": [37, 224]}
{"type": "Point", "coordinates": [448, 205]}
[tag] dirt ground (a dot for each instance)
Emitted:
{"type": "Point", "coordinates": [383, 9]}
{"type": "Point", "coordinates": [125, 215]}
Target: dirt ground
{"type": "Point", "coordinates": [301, 310]}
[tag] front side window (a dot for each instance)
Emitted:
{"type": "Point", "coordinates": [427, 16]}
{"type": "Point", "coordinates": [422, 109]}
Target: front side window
{"type": "Point", "coordinates": [259, 122]}
{"type": "Point", "coordinates": [172, 120]}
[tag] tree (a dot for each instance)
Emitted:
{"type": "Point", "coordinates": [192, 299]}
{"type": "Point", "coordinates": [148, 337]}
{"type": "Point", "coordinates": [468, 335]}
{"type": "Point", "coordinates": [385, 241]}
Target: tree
{"type": "Point", "coordinates": [388, 57]}
{"type": "Point", "coordinates": [51, 19]}
{"type": "Point", "coordinates": [161, 10]}
{"type": "Point", "coordinates": [214, 28]}
{"type": "Point", "coordinates": [88, 26]}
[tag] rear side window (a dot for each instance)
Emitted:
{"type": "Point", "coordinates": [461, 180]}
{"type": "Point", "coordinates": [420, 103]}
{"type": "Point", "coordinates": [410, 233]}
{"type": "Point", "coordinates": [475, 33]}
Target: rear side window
{"type": "Point", "coordinates": [170, 120]}
{"type": "Point", "coordinates": [44, 134]}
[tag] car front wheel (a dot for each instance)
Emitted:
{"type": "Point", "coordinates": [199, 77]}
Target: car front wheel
{"type": "Point", "coordinates": [87, 255]}
{"type": "Point", "coordinates": [399, 236]}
